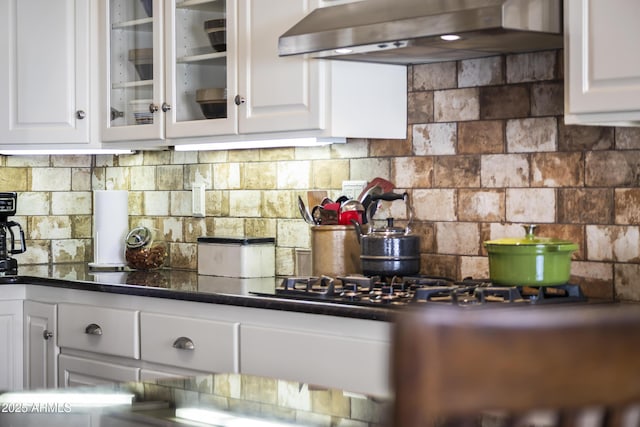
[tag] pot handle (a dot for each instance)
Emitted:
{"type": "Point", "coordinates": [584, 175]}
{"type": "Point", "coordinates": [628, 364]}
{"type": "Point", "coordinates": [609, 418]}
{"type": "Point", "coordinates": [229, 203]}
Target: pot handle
{"type": "Point", "coordinates": [530, 230]}
{"type": "Point", "coordinates": [396, 196]}
{"type": "Point", "coordinates": [358, 227]}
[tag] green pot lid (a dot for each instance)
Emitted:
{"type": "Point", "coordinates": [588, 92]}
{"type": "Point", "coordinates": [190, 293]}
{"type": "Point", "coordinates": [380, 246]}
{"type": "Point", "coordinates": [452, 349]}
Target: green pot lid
{"type": "Point", "coordinates": [530, 240]}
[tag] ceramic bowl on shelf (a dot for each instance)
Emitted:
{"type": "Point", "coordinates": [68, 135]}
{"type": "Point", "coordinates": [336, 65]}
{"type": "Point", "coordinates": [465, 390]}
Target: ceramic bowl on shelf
{"type": "Point", "coordinates": [142, 60]}
{"type": "Point", "coordinates": [216, 29]}
{"type": "Point", "coordinates": [213, 102]}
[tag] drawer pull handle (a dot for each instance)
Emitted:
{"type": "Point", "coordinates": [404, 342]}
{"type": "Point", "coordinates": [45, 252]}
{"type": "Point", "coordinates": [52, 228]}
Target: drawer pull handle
{"type": "Point", "coordinates": [184, 343]}
{"type": "Point", "coordinates": [47, 334]}
{"type": "Point", "coordinates": [93, 329]}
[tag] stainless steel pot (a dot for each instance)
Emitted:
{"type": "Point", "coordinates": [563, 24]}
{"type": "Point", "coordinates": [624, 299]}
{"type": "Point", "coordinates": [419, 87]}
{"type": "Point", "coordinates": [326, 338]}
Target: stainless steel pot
{"type": "Point", "coordinates": [390, 250]}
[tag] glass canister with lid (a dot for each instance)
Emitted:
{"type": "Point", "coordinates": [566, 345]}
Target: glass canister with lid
{"type": "Point", "coordinates": [142, 252]}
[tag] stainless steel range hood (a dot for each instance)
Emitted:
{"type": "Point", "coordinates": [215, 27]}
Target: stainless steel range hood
{"type": "Point", "coordinates": [411, 31]}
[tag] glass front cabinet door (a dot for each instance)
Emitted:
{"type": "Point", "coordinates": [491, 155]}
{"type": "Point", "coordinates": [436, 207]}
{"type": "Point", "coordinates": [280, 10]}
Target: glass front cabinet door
{"type": "Point", "coordinates": [168, 69]}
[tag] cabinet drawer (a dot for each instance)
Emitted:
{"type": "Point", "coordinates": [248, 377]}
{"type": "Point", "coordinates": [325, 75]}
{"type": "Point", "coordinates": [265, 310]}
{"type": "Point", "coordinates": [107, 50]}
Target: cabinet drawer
{"type": "Point", "coordinates": [81, 372]}
{"type": "Point", "coordinates": [214, 343]}
{"type": "Point", "coordinates": [99, 329]}
{"type": "Point", "coordinates": [352, 364]}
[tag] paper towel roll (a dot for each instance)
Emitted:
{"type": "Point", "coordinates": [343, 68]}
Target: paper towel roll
{"type": "Point", "coordinates": [110, 227]}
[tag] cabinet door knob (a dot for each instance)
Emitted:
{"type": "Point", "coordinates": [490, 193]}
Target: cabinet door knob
{"type": "Point", "coordinates": [166, 107]}
{"type": "Point", "coordinates": [93, 329]}
{"type": "Point", "coordinates": [153, 108]}
{"type": "Point", "coordinates": [184, 343]}
{"type": "Point", "coordinates": [80, 114]}
{"type": "Point", "coordinates": [47, 334]}
{"type": "Point", "coordinates": [239, 100]}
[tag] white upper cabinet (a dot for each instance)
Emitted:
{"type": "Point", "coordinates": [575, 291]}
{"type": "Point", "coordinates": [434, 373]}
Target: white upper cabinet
{"type": "Point", "coordinates": [602, 67]}
{"type": "Point", "coordinates": [183, 70]}
{"type": "Point", "coordinates": [45, 75]}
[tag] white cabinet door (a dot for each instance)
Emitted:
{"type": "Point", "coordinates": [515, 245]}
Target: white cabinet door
{"type": "Point", "coordinates": [602, 65]}
{"type": "Point", "coordinates": [44, 79]}
{"type": "Point", "coordinates": [11, 348]}
{"type": "Point", "coordinates": [79, 371]}
{"type": "Point", "coordinates": [347, 363]}
{"type": "Point", "coordinates": [40, 349]}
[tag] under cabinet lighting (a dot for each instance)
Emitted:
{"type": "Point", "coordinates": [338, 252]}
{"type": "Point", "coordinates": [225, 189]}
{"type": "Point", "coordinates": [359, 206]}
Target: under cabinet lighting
{"type": "Point", "coordinates": [450, 37]}
{"type": "Point", "coordinates": [266, 143]}
{"type": "Point", "coordinates": [69, 151]}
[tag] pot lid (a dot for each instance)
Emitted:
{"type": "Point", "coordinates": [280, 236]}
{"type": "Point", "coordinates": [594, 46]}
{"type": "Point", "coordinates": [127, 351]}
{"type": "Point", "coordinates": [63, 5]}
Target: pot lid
{"type": "Point", "coordinates": [530, 239]}
{"type": "Point", "coordinates": [138, 237]}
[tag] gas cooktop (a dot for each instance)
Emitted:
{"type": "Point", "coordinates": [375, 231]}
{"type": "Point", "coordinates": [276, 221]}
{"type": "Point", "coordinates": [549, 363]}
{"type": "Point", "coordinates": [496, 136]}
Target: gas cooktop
{"type": "Point", "coordinates": [396, 292]}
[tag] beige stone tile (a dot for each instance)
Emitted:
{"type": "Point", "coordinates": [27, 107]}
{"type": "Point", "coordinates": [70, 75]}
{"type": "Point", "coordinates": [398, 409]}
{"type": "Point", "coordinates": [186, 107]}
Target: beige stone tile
{"type": "Point", "coordinates": [532, 135]}
{"type": "Point", "coordinates": [244, 203]}
{"type": "Point", "coordinates": [329, 174]}
{"type": "Point", "coordinates": [352, 149]}
{"type": "Point", "coordinates": [136, 203]}
{"type": "Point", "coordinates": [531, 205]}
{"type": "Point", "coordinates": [69, 250]}
{"type": "Point", "coordinates": [71, 203]}
{"type": "Point", "coordinates": [169, 177]}
{"type": "Point", "coordinates": [627, 138]}
{"type": "Point", "coordinates": [293, 233]}
{"type": "Point", "coordinates": [293, 395]}
{"type": "Point", "coordinates": [557, 169]}
{"type": "Point", "coordinates": [476, 267]}
{"type": "Point", "coordinates": [277, 154]}
{"type": "Point", "coordinates": [285, 261]}
{"type": "Point", "coordinates": [439, 265]}
{"type": "Point", "coordinates": [51, 179]}
{"type": "Point", "coordinates": [459, 238]}
{"type": "Point", "coordinates": [180, 202]}
{"type": "Point", "coordinates": [613, 243]}
{"type": "Point", "coordinates": [156, 202]}
{"type": "Point", "coordinates": [170, 230]}
{"type": "Point", "coordinates": [627, 286]}
{"type": "Point", "coordinates": [194, 228]}
{"type": "Point", "coordinates": [227, 176]}
{"type": "Point", "coordinates": [456, 105]}
{"type": "Point", "coordinates": [412, 172]}
{"type": "Point", "coordinates": [311, 153]}
{"type": "Point", "coordinates": [33, 203]}
{"type": "Point", "coordinates": [156, 157]}
{"type": "Point", "coordinates": [434, 139]}
{"type": "Point", "coordinates": [116, 178]}
{"type": "Point", "coordinates": [420, 107]}
{"type": "Point", "coordinates": [390, 147]}
{"type": "Point", "coordinates": [505, 230]}
{"type": "Point", "coordinates": [28, 161]}
{"type": "Point", "coordinates": [217, 203]}
{"type": "Point", "coordinates": [367, 169]}
{"type": "Point", "coordinates": [227, 385]}
{"type": "Point", "coordinates": [200, 174]}
{"type": "Point", "coordinates": [440, 75]}
{"type": "Point", "coordinates": [136, 159]}
{"type": "Point", "coordinates": [191, 157]}
{"type": "Point", "coordinates": [49, 227]}
{"type": "Point", "coordinates": [259, 389]}
{"type": "Point", "coordinates": [583, 138]}
{"type": "Point", "coordinates": [233, 227]}
{"type": "Point", "coordinates": [434, 205]}
{"type": "Point", "coordinates": [531, 67]}
{"type": "Point", "coordinates": [183, 255]}
{"type": "Point", "coordinates": [370, 410]}
{"type": "Point", "coordinates": [481, 137]}
{"type": "Point", "coordinates": [504, 170]}
{"type": "Point", "coordinates": [260, 176]}
{"type": "Point", "coordinates": [251, 155]}
{"type": "Point", "coordinates": [626, 210]}
{"type": "Point", "coordinates": [81, 226]}
{"type": "Point", "coordinates": [279, 204]}
{"type": "Point", "coordinates": [294, 175]}
{"type": "Point", "coordinates": [456, 171]}
{"type": "Point", "coordinates": [14, 179]}
{"type": "Point", "coordinates": [212, 401]}
{"type": "Point", "coordinates": [218, 156]}
{"type": "Point", "coordinates": [481, 72]}
{"type": "Point", "coordinates": [260, 227]}
{"type": "Point", "coordinates": [81, 179]}
{"type": "Point", "coordinates": [67, 161]}
{"type": "Point", "coordinates": [481, 205]}
{"type": "Point", "coordinates": [105, 160]}
{"type": "Point", "coordinates": [38, 252]}
{"type": "Point", "coordinates": [331, 402]}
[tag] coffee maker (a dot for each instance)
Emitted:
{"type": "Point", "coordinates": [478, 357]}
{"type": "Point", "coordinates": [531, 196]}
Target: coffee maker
{"type": "Point", "coordinates": [9, 265]}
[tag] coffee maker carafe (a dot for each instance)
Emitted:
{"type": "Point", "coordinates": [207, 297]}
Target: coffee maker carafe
{"type": "Point", "coordinates": [9, 265]}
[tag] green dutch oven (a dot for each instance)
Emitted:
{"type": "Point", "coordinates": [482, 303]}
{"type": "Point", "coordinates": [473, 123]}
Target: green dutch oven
{"type": "Point", "coordinates": [532, 260]}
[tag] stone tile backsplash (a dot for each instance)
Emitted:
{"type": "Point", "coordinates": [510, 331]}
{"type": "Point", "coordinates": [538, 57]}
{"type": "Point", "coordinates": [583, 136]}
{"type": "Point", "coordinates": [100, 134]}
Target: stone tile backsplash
{"type": "Point", "coordinates": [487, 150]}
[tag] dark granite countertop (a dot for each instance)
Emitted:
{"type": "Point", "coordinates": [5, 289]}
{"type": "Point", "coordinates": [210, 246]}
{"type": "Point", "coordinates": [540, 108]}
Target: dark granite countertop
{"type": "Point", "coordinates": [185, 285]}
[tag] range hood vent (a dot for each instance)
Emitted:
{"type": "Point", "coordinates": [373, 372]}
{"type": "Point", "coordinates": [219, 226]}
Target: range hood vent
{"type": "Point", "coordinates": [414, 31]}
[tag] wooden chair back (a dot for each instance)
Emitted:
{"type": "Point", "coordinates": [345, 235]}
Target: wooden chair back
{"type": "Point", "coordinates": [461, 366]}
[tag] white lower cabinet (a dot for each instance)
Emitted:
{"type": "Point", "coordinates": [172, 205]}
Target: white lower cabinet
{"type": "Point", "coordinates": [77, 371]}
{"type": "Point", "coordinates": [197, 344]}
{"type": "Point", "coordinates": [40, 345]}
{"type": "Point", "coordinates": [11, 364]}
{"type": "Point", "coordinates": [343, 362]}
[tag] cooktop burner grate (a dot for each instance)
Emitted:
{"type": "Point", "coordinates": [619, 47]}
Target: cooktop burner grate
{"type": "Point", "coordinates": [405, 291]}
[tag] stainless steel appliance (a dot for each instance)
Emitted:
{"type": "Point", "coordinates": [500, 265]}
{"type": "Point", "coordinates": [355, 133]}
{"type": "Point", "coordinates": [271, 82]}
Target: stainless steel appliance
{"type": "Point", "coordinates": [421, 31]}
{"type": "Point", "coordinates": [398, 292]}
{"type": "Point", "coordinates": [8, 205]}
